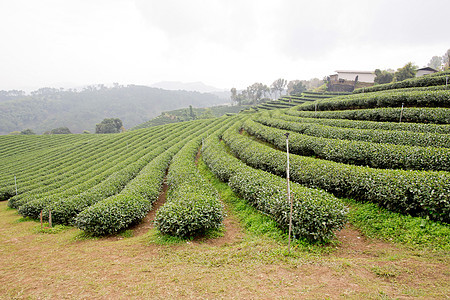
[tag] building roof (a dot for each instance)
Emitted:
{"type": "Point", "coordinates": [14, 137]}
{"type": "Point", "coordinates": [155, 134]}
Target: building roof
{"type": "Point", "coordinates": [427, 69]}
{"type": "Point", "coordinates": [357, 72]}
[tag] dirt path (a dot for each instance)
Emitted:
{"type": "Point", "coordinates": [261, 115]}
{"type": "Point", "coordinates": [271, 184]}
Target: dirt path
{"type": "Point", "coordinates": [148, 222]}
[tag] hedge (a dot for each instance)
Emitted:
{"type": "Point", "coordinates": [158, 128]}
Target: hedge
{"type": "Point", "coordinates": [316, 214]}
{"type": "Point", "coordinates": [439, 98]}
{"type": "Point", "coordinates": [415, 127]}
{"type": "Point", "coordinates": [418, 193]}
{"type": "Point", "coordinates": [355, 152]}
{"type": "Point", "coordinates": [428, 80]}
{"type": "Point", "coordinates": [193, 206]}
{"type": "Point", "coordinates": [388, 114]}
{"type": "Point", "coordinates": [395, 137]}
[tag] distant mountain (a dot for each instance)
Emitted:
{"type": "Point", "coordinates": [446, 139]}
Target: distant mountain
{"type": "Point", "coordinates": [49, 108]}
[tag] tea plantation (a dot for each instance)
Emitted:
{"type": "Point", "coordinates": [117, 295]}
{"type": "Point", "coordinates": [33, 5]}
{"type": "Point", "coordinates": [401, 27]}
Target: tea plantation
{"type": "Point", "coordinates": [389, 145]}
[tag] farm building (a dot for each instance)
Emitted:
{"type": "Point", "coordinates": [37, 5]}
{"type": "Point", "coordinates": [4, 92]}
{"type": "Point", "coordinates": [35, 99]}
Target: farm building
{"type": "Point", "coordinates": [425, 71]}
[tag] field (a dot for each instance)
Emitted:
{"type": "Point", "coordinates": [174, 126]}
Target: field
{"type": "Point", "coordinates": [199, 208]}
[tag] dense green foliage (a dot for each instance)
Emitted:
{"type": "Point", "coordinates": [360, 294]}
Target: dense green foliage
{"type": "Point", "coordinates": [414, 192]}
{"type": "Point", "coordinates": [111, 125]}
{"type": "Point", "coordinates": [408, 138]}
{"type": "Point", "coordinates": [105, 183]}
{"type": "Point", "coordinates": [193, 204]}
{"type": "Point", "coordinates": [427, 80]}
{"type": "Point", "coordinates": [434, 115]}
{"type": "Point", "coordinates": [316, 214]}
{"type": "Point", "coordinates": [437, 98]}
{"type": "Point", "coordinates": [376, 155]}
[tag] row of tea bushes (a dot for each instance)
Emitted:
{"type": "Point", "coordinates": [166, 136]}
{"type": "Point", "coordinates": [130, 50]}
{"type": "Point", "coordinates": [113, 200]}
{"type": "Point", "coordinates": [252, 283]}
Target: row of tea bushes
{"type": "Point", "coordinates": [388, 114]}
{"type": "Point", "coordinates": [439, 98]}
{"type": "Point", "coordinates": [316, 214]}
{"type": "Point", "coordinates": [395, 137]}
{"type": "Point", "coordinates": [418, 193]}
{"type": "Point", "coordinates": [439, 78]}
{"type": "Point", "coordinates": [193, 205]}
{"type": "Point", "coordinates": [383, 156]}
{"type": "Point", "coordinates": [52, 169]}
{"type": "Point", "coordinates": [65, 208]}
{"type": "Point", "coordinates": [414, 127]}
{"type": "Point", "coordinates": [66, 184]}
{"type": "Point", "coordinates": [132, 204]}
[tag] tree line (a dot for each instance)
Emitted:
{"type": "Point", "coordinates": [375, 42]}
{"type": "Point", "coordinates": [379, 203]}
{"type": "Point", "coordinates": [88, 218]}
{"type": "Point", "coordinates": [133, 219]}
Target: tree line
{"type": "Point", "coordinates": [259, 92]}
{"type": "Point", "coordinates": [439, 63]}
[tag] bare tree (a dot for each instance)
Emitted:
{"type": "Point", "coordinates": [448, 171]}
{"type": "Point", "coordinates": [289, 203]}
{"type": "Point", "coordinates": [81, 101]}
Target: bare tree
{"type": "Point", "coordinates": [279, 85]}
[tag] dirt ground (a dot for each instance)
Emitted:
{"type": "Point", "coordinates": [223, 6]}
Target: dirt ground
{"type": "Point", "coordinates": [237, 265]}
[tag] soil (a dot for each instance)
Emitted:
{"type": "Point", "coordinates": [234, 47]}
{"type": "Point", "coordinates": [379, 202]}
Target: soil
{"type": "Point", "coordinates": [238, 265]}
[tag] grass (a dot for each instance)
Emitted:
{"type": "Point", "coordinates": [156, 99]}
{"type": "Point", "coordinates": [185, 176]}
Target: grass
{"type": "Point", "coordinates": [414, 232]}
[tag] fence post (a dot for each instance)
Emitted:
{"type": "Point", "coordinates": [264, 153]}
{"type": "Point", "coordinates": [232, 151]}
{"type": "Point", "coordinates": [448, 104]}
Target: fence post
{"type": "Point", "coordinates": [288, 189]}
{"type": "Point", "coordinates": [401, 113]}
{"type": "Point", "coordinates": [15, 183]}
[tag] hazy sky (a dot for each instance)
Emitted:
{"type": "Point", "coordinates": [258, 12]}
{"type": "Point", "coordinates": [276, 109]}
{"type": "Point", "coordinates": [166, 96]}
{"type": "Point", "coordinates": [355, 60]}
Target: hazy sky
{"type": "Point", "coordinates": [224, 43]}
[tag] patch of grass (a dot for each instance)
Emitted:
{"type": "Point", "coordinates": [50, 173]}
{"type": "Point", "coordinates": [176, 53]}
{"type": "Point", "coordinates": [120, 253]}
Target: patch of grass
{"type": "Point", "coordinates": [155, 237]}
{"type": "Point", "coordinates": [388, 271]}
{"type": "Point", "coordinates": [415, 232]}
{"type": "Point", "coordinates": [51, 230]}
{"type": "Point", "coordinates": [84, 236]}
{"type": "Point", "coordinates": [25, 219]}
{"type": "Point", "coordinates": [126, 233]}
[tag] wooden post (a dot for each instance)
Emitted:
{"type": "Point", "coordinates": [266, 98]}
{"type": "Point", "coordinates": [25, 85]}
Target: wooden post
{"type": "Point", "coordinates": [401, 113]}
{"type": "Point", "coordinates": [288, 189]}
{"type": "Point", "coordinates": [15, 183]}
{"type": "Point", "coordinates": [50, 218]}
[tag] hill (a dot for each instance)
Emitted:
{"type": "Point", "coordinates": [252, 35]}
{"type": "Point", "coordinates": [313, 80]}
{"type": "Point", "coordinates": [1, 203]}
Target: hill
{"type": "Point", "coordinates": [369, 194]}
{"type": "Point", "coordinates": [47, 108]}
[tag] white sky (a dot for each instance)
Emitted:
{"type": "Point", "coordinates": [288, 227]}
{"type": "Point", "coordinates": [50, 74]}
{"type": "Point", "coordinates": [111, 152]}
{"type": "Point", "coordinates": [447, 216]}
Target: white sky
{"type": "Point", "coordinates": [224, 43]}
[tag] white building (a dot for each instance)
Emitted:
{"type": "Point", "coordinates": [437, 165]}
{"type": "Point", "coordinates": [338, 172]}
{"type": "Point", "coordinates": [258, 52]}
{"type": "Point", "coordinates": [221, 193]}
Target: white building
{"type": "Point", "coordinates": [425, 71]}
{"type": "Point", "coordinates": [363, 76]}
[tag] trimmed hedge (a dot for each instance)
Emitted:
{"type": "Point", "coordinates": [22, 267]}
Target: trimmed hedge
{"type": "Point", "coordinates": [395, 137]}
{"type": "Point", "coordinates": [118, 212]}
{"type": "Point", "coordinates": [428, 80]}
{"type": "Point", "coordinates": [410, 114]}
{"type": "Point", "coordinates": [193, 204]}
{"type": "Point", "coordinates": [415, 127]}
{"type": "Point", "coordinates": [384, 156]}
{"type": "Point", "coordinates": [418, 193]}
{"type": "Point", "coordinates": [439, 98]}
{"type": "Point", "coordinates": [316, 214]}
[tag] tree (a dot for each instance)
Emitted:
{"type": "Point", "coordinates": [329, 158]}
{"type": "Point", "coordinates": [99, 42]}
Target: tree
{"type": "Point", "coordinates": [27, 132]}
{"type": "Point", "coordinates": [112, 125]}
{"type": "Point", "coordinates": [256, 91]}
{"type": "Point", "coordinates": [435, 62]}
{"type": "Point", "coordinates": [234, 96]}
{"type": "Point", "coordinates": [295, 87]}
{"type": "Point", "coordinates": [191, 113]}
{"type": "Point", "coordinates": [59, 130]}
{"type": "Point", "coordinates": [384, 76]}
{"type": "Point", "coordinates": [279, 85]}
{"type": "Point", "coordinates": [446, 59]}
{"type": "Point", "coordinates": [407, 71]}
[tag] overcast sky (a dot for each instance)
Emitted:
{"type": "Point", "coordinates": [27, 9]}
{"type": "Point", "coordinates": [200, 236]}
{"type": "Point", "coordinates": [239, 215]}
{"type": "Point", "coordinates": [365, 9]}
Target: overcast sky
{"type": "Point", "coordinates": [224, 43]}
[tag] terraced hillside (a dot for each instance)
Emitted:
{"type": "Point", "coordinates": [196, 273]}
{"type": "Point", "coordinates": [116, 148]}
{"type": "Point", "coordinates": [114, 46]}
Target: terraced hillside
{"type": "Point", "coordinates": [390, 147]}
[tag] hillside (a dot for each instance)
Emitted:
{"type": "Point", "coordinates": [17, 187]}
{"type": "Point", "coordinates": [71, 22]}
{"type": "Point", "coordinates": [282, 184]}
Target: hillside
{"type": "Point", "coordinates": [369, 191]}
{"type": "Point", "coordinates": [349, 145]}
{"type": "Point", "coordinates": [47, 109]}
